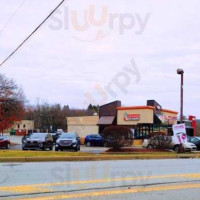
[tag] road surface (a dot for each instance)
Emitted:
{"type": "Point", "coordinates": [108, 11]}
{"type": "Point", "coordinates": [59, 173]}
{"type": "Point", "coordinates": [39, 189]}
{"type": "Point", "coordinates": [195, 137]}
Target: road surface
{"type": "Point", "coordinates": [135, 179]}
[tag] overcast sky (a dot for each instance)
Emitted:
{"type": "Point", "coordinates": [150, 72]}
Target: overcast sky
{"type": "Point", "coordinates": [101, 51]}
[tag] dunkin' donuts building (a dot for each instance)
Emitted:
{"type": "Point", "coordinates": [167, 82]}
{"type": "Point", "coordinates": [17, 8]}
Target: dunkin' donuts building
{"type": "Point", "coordinates": [141, 119]}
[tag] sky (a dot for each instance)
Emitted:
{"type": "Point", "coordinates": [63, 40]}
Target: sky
{"type": "Point", "coordinates": [96, 52]}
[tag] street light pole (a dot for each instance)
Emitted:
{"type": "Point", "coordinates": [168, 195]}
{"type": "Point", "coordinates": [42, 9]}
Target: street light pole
{"type": "Point", "coordinates": [181, 72]}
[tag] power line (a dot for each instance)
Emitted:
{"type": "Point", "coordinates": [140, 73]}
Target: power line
{"type": "Point", "coordinates": [12, 16]}
{"type": "Point", "coordinates": [33, 32]}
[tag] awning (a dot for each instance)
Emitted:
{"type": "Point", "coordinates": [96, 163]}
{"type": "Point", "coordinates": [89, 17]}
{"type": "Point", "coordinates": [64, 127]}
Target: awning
{"type": "Point", "coordinates": [106, 120]}
{"type": "Point", "coordinates": [162, 119]}
{"type": "Point", "coordinates": [159, 119]}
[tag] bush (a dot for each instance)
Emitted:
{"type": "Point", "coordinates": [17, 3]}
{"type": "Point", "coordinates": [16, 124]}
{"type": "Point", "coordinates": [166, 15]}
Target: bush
{"type": "Point", "coordinates": [160, 141]}
{"type": "Point", "coordinates": [118, 136]}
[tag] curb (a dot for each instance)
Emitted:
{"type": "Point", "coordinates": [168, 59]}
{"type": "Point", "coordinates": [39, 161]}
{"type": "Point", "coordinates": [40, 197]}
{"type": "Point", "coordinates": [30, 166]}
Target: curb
{"type": "Point", "coordinates": [96, 158]}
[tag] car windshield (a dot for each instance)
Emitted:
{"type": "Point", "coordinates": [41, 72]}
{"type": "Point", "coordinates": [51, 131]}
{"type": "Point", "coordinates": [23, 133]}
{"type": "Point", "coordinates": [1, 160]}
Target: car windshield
{"type": "Point", "coordinates": [37, 136]}
{"type": "Point", "coordinates": [96, 136]}
{"type": "Point", "coordinates": [67, 136]}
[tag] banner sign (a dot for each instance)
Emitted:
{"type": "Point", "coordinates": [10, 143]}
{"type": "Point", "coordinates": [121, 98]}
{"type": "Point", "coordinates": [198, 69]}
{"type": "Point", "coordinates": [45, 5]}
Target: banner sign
{"type": "Point", "coordinates": [179, 131]}
{"type": "Point", "coordinates": [131, 117]}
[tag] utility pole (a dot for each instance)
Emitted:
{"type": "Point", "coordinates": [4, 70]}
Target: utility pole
{"type": "Point", "coordinates": [181, 72]}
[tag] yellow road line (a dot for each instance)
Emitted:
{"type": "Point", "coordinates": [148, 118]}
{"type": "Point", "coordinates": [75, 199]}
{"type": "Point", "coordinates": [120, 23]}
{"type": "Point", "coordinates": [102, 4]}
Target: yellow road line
{"type": "Point", "coordinates": [38, 187]}
{"type": "Point", "coordinates": [115, 192]}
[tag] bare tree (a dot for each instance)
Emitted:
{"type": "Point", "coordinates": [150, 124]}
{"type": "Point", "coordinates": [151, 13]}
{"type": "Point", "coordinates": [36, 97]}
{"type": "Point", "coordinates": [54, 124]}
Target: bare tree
{"type": "Point", "coordinates": [12, 102]}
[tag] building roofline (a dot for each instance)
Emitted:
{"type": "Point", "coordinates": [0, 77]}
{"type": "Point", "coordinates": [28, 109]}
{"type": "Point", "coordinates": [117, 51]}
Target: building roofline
{"type": "Point", "coordinates": [136, 108]}
{"type": "Point", "coordinates": [170, 111]}
{"type": "Point", "coordinates": [145, 107]}
{"type": "Point", "coordinates": [110, 103]}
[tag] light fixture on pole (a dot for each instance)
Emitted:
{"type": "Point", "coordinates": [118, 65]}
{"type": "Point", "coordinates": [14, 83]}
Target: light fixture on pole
{"type": "Point", "coordinates": [181, 72]}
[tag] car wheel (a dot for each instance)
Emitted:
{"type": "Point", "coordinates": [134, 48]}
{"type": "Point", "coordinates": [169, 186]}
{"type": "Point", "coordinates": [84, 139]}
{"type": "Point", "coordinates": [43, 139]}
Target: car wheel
{"type": "Point", "coordinates": [88, 144]}
{"type": "Point", "coordinates": [7, 146]}
{"type": "Point", "coordinates": [23, 147]}
{"type": "Point", "coordinates": [44, 148]}
{"type": "Point", "coordinates": [56, 149]}
{"type": "Point", "coordinates": [76, 148]}
{"type": "Point", "coordinates": [150, 146]}
{"type": "Point", "coordinates": [176, 148]}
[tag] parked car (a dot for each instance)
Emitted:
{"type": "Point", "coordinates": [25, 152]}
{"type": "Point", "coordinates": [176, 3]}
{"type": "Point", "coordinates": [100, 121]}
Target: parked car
{"type": "Point", "coordinates": [68, 141]}
{"type": "Point", "coordinates": [38, 141]}
{"type": "Point", "coordinates": [26, 136]}
{"type": "Point", "coordinates": [173, 145]}
{"type": "Point", "coordinates": [194, 140]}
{"type": "Point", "coordinates": [60, 131]}
{"type": "Point", "coordinates": [4, 142]}
{"type": "Point", "coordinates": [94, 140]}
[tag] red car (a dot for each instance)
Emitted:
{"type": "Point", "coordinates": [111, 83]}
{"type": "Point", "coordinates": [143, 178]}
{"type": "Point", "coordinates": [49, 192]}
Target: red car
{"type": "Point", "coordinates": [4, 142]}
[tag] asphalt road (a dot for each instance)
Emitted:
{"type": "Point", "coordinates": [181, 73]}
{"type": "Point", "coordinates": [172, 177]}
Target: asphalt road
{"type": "Point", "coordinates": [136, 179]}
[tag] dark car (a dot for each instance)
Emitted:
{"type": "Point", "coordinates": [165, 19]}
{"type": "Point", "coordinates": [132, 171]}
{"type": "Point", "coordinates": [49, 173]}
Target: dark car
{"type": "Point", "coordinates": [68, 141]}
{"type": "Point", "coordinates": [4, 142]}
{"type": "Point", "coordinates": [26, 136]}
{"type": "Point", "coordinates": [194, 140]}
{"type": "Point", "coordinates": [38, 141]}
{"type": "Point", "coordinates": [94, 140]}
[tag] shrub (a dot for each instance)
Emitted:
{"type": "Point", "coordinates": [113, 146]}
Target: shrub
{"type": "Point", "coordinates": [160, 141]}
{"type": "Point", "coordinates": [118, 136]}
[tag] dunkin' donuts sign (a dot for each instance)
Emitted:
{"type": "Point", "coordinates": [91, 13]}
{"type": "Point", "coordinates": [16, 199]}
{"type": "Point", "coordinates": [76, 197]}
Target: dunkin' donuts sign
{"type": "Point", "coordinates": [131, 117]}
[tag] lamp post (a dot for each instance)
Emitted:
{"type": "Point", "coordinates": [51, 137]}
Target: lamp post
{"type": "Point", "coordinates": [181, 72]}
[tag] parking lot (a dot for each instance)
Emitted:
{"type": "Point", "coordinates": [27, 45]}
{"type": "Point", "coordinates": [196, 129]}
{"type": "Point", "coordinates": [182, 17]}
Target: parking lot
{"type": "Point", "coordinates": [16, 142]}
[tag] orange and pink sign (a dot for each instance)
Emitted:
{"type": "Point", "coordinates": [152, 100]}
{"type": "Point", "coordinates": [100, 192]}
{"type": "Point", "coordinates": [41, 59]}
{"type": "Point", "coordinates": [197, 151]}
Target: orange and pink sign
{"type": "Point", "coordinates": [131, 117]}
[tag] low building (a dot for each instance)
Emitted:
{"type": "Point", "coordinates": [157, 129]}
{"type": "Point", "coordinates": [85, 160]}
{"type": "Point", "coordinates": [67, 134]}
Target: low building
{"type": "Point", "coordinates": [83, 125]}
{"type": "Point", "coordinates": [141, 119]}
{"type": "Point", "coordinates": [23, 125]}
{"type": "Point", "coordinates": [146, 119]}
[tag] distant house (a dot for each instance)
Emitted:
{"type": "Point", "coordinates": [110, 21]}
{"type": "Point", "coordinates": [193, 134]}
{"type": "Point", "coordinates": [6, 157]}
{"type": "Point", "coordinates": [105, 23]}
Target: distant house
{"type": "Point", "coordinates": [22, 125]}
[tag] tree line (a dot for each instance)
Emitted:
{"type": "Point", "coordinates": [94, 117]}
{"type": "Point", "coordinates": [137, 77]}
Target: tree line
{"type": "Point", "coordinates": [14, 107]}
{"type": "Point", "coordinates": [52, 117]}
